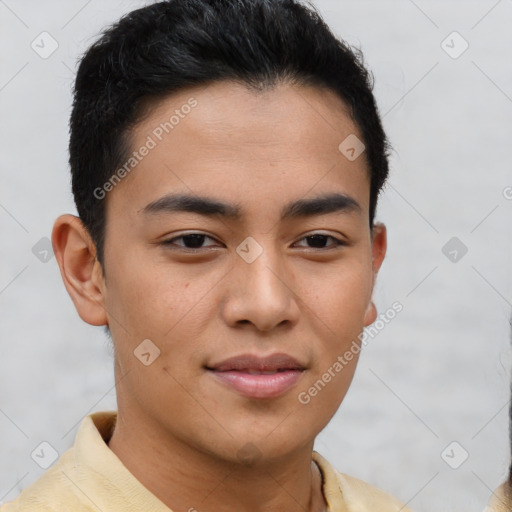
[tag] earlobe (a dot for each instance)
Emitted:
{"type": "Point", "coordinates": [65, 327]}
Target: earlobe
{"type": "Point", "coordinates": [370, 315]}
{"type": "Point", "coordinates": [80, 270]}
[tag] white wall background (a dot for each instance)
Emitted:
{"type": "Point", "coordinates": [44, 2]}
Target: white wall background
{"type": "Point", "coordinates": [438, 373]}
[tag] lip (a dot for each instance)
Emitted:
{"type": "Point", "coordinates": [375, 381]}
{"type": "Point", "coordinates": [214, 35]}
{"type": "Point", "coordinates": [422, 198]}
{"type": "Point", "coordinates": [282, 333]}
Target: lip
{"type": "Point", "coordinates": [272, 362]}
{"type": "Point", "coordinates": [243, 374]}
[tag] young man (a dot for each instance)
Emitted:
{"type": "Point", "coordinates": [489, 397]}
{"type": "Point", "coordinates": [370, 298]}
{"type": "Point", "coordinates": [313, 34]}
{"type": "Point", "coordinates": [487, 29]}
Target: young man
{"type": "Point", "coordinates": [226, 159]}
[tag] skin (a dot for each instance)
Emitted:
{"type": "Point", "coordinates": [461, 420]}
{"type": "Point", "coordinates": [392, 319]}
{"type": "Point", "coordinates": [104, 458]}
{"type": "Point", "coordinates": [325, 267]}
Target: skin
{"type": "Point", "coordinates": [179, 431]}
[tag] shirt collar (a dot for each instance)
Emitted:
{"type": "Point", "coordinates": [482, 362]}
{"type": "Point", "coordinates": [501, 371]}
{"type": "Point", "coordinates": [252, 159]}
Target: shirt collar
{"type": "Point", "coordinates": [101, 468]}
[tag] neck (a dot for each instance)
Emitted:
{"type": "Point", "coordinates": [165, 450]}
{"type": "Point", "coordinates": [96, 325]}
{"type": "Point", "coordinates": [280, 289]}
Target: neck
{"type": "Point", "coordinates": [189, 479]}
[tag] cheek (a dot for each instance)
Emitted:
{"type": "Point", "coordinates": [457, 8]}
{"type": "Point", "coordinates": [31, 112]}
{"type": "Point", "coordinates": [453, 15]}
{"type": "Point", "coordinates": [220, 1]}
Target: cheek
{"type": "Point", "coordinates": [145, 296]}
{"type": "Point", "coordinates": [342, 296]}
{"type": "Point", "coordinates": [133, 298]}
{"type": "Point", "coordinates": [166, 308]}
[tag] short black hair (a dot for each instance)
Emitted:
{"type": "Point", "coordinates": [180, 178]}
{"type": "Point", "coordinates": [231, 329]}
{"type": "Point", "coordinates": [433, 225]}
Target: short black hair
{"type": "Point", "coordinates": [168, 46]}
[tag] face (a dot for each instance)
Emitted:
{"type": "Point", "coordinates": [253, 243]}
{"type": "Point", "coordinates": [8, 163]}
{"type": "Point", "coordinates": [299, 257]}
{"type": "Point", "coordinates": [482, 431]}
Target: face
{"type": "Point", "coordinates": [270, 252]}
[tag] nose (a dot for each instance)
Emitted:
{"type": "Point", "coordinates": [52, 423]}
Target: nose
{"type": "Point", "coordinates": [261, 293]}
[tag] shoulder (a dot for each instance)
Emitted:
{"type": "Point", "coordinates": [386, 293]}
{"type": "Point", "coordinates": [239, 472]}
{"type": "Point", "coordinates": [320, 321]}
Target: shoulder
{"type": "Point", "coordinates": [348, 493]}
{"type": "Point", "coordinates": [367, 496]}
{"type": "Point", "coordinates": [50, 490]}
{"type": "Point", "coordinates": [76, 475]}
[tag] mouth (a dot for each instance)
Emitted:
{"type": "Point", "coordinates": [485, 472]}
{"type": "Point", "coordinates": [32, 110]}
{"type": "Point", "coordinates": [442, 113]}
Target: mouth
{"type": "Point", "coordinates": [258, 377]}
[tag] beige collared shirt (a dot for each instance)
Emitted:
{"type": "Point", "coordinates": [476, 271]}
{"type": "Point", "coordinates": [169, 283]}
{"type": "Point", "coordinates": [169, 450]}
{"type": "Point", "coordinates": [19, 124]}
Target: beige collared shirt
{"type": "Point", "coordinates": [89, 477]}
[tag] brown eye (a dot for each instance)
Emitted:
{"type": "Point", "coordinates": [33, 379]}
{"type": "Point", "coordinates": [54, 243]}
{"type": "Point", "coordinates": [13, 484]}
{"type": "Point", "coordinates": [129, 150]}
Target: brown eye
{"type": "Point", "coordinates": [319, 241]}
{"type": "Point", "coordinates": [189, 241]}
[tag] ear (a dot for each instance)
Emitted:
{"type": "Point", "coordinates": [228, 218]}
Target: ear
{"type": "Point", "coordinates": [81, 272]}
{"type": "Point", "coordinates": [379, 246]}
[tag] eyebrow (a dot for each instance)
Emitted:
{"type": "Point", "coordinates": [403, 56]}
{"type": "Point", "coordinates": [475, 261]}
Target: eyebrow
{"type": "Point", "coordinates": [321, 205]}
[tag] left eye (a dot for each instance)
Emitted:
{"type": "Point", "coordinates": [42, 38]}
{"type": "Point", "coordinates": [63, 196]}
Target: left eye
{"type": "Point", "coordinates": [319, 241]}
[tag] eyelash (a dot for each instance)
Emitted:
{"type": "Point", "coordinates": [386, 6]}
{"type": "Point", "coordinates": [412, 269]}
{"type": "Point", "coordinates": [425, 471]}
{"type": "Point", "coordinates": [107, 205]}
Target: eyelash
{"type": "Point", "coordinates": [170, 242]}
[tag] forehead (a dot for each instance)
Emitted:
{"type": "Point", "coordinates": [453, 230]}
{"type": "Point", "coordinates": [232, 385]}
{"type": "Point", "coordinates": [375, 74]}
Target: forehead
{"type": "Point", "coordinates": [231, 112]}
{"type": "Point", "coordinates": [231, 140]}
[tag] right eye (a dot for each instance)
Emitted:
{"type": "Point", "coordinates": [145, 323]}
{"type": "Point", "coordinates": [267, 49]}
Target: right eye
{"type": "Point", "coordinates": [191, 241]}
